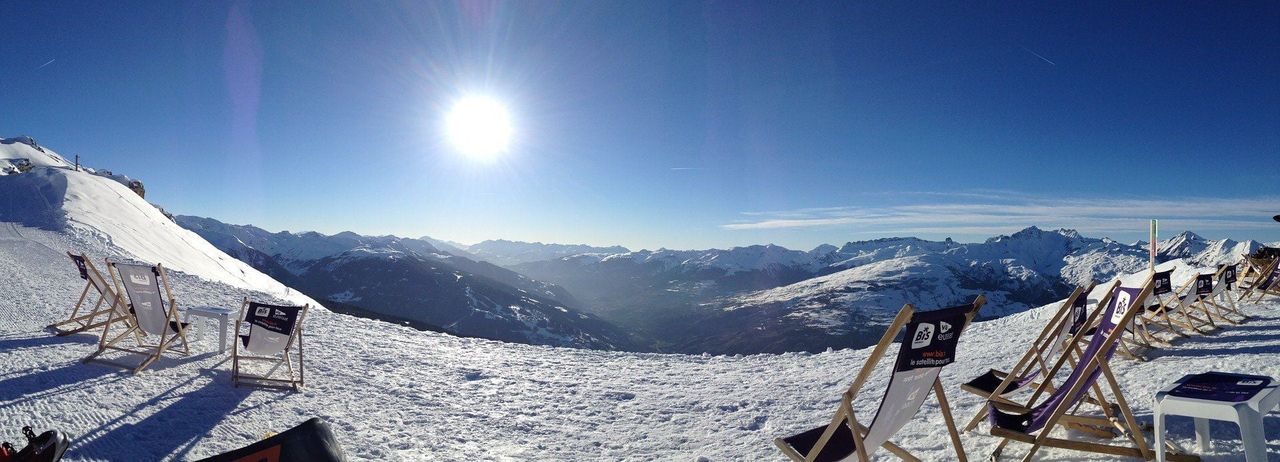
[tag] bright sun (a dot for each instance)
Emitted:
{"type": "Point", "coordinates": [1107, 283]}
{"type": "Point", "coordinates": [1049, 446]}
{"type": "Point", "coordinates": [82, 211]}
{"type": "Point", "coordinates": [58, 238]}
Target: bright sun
{"type": "Point", "coordinates": [479, 127]}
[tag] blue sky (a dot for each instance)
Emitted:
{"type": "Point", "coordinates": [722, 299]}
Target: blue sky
{"type": "Point", "coordinates": [683, 124]}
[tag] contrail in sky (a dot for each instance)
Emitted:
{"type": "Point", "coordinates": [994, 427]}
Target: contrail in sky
{"type": "Point", "coordinates": [46, 64]}
{"type": "Point", "coordinates": [1037, 55]}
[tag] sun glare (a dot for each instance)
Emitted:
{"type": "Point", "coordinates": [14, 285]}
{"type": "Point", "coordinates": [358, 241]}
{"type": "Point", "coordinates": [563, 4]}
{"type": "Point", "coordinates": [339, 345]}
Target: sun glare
{"type": "Point", "coordinates": [479, 127]}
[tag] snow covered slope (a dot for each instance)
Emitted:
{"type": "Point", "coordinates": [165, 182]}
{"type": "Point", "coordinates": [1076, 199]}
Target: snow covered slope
{"type": "Point", "coordinates": [106, 218]}
{"type": "Point", "coordinates": [393, 393]}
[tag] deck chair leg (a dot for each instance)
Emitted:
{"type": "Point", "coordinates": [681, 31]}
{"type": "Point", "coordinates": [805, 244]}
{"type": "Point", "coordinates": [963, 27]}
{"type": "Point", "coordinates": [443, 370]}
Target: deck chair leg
{"type": "Point", "coordinates": [995, 454]}
{"type": "Point", "coordinates": [83, 293]}
{"type": "Point", "coordinates": [946, 416]}
{"type": "Point", "coordinates": [1134, 431]}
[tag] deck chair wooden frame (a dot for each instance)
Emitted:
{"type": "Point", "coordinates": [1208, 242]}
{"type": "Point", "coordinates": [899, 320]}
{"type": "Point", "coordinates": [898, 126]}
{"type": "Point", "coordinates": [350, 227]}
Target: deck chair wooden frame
{"type": "Point", "coordinates": [239, 353]}
{"type": "Point", "coordinates": [1062, 413]}
{"type": "Point", "coordinates": [1037, 361]}
{"type": "Point", "coordinates": [845, 417]}
{"type": "Point", "coordinates": [1265, 283]}
{"type": "Point", "coordinates": [129, 320]}
{"type": "Point", "coordinates": [107, 300]}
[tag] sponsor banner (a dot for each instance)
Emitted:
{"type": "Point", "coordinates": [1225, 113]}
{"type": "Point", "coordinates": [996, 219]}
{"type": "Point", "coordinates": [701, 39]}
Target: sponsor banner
{"type": "Point", "coordinates": [931, 338]}
{"type": "Point", "coordinates": [278, 319]}
{"type": "Point", "coordinates": [1204, 284]}
{"type": "Point", "coordinates": [1219, 386]}
{"type": "Point", "coordinates": [80, 265]}
{"type": "Point", "coordinates": [1079, 310]}
{"type": "Point", "coordinates": [1163, 282]}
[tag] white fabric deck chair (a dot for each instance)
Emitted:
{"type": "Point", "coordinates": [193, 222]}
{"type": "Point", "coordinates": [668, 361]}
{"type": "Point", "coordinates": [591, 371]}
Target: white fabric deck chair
{"type": "Point", "coordinates": [1032, 367]}
{"type": "Point", "coordinates": [1168, 310]}
{"type": "Point", "coordinates": [107, 300]}
{"type": "Point", "coordinates": [928, 343]}
{"type": "Point", "coordinates": [148, 314]}
{"type": "Point", "coordinates": [1222, 286]}
{"type": "Point", "coordinates": [267, 343]}
{"type": "Point", "coordinates": [1034, 423]}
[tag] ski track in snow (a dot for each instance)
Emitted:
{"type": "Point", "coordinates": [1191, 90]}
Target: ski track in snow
{"type": "Point", "coordinates": [393, 393]}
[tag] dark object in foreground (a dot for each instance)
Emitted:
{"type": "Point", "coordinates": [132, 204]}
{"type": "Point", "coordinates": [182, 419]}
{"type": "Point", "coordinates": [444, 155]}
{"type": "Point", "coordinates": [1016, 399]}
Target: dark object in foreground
{"type": "Point", "coordinates": [309, 441]}
{"type": "Point", "coordinates": [48, 447]}
{"type": "Point", "coordinates": [1276, 218]}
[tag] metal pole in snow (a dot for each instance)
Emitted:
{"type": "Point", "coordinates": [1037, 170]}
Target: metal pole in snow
{"type": "Point", "coordinates": [1155, 228]}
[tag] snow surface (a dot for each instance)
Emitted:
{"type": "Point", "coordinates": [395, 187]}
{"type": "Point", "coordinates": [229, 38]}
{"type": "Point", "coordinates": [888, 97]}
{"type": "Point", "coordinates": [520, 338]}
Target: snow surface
{"type": "Point", "coordinates": [394, 393]}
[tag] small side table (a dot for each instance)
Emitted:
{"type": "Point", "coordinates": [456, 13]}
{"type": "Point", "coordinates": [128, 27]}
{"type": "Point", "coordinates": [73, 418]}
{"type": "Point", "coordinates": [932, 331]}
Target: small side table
{"type": "Point", "coordinates": [1238, 398]}
{"type": "Point", "coordinates": [222, 315]}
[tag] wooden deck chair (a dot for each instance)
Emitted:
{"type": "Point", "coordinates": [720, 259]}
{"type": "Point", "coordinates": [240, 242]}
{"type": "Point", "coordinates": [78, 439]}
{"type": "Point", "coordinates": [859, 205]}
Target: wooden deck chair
{"type": "Point", "coordinates": [1265, 282]}
{"type": "Point", "coordinates": [1167, 310]}
{"type": "Point", "coordinates": [1220, 295]}
{"type": "Point", "coordinates": [928, 343]}
{"type": "Point", "coordinates": [1034, 422]}
{"type": "Point", "coordinates": [1032, 367]}
{"type": "Point", "coordinates": [107, 300]}
{"type": "Point", "coordinates": [146, 288]}
{"type": "Point", "coordinates": [1255, 266]}
{"type": "Point", "coordinates": [268, 340]}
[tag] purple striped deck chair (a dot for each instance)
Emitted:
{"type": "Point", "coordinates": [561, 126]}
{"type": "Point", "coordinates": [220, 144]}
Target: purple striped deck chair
{"type": "Point", "coordinates": [1034, 423]}
{"type": "Point", "coordinates": [1070, 317]}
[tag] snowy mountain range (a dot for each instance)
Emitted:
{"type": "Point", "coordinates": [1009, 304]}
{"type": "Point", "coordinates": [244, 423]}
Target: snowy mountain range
{"type": "Point", "coordinates": [695, 301]}
{"type": "Point", "coordinates": [507, 253]}
{"type": "Point", "coordinates": [411, 281]}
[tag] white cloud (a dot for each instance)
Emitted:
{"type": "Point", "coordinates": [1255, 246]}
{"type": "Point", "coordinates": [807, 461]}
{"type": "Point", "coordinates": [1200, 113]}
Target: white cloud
{"type": "Point", "coordinates": [993, 212]}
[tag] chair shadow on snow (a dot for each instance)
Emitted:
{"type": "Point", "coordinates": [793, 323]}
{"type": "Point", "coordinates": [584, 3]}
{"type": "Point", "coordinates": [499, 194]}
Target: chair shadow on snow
{"type": "Point", "coordinates": [170, 432]}
{"type": "Point", "coordinates": [1215, 345]}
{"type": "Point", "coordinates": [45, 384]}
{"type": "Point", "coordinates": [1225, 440]}
{"type": "Point", "coordinates": [12, 344]}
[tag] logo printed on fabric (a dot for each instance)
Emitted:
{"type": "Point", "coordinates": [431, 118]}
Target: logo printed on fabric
{"type": "Point", "coordinates": [923, 336]}
{"type": "Point", "coordinates": [1249, 383]}
{"type": "Point", "coordinates": [139, 279]}
{"type": "Point", "coordinates": [262, 311]}
{"type": "Point", "coordinates": [946, 326]}
{"type": "Point", "coordinates": [1122, 307]}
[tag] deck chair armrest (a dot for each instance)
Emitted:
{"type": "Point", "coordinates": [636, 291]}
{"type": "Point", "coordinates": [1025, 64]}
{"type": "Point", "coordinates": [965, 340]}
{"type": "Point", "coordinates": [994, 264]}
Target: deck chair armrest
{"type": "Point", "coordinates": [1009, 407]}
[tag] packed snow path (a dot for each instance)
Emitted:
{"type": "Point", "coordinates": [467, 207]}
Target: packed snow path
{"type": "Point", "coordinates": [392, 393]}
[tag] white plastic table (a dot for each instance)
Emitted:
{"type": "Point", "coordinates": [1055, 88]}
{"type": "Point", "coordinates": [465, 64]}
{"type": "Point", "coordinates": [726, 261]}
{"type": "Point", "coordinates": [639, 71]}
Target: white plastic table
{"type": "Point", "coordinates": [1247, 414]}
{"type": "Point", "coordinates": [222, 315]}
